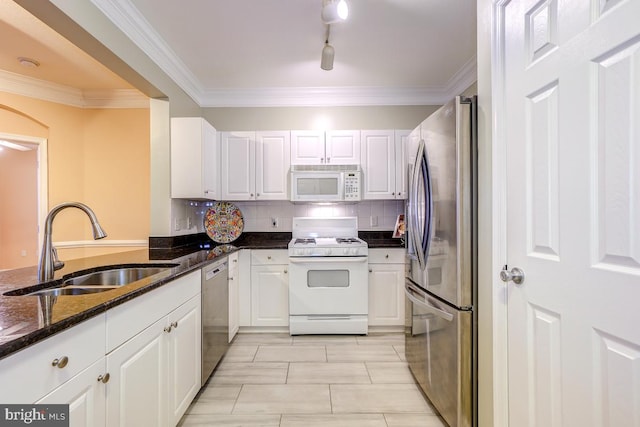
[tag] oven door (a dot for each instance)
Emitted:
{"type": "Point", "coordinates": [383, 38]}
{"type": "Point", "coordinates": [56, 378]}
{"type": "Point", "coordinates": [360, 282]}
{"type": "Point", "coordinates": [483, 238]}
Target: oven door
{"type": "Point", "coordinates": [328, 286]}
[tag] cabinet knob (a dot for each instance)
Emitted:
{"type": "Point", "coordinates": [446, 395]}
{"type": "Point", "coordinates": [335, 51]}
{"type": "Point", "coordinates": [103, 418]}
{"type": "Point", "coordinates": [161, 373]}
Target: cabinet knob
{"type": "Point", "coordinates": [251, 194]}
{"type": "Point", "coordinates": [235, 260]}
{"type": "Point", "coordinates": [168, 329]}
{"type": "Point", "coordinates": [230, 278]}
{"type": "Point", "coordinates": [257, 194]}
{"type": "Point", "coordinates": [370, 271]}
{"type": "Point", "coordinates": [386, 256]}
{"type": "Point", "coordinates": [174, 324]}
{"type": "Point", "coordinates": [104, 378]}
{"type": "Point", "coordinates": [393, 194]}
{"type": "Point", "coordinates": [285, 271]}
{"type": "Point", "coordinates": [269, 257]}
{"type": "Point", "coordinates": [61, 362]}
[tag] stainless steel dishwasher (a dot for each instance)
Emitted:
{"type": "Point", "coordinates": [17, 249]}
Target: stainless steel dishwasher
{"type": "Point", "coordinates": [215, 315]}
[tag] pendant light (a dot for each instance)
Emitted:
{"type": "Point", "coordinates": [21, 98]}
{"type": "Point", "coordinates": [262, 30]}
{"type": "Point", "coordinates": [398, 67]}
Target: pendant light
{"type": "Point", "coordinates": [328, 53]}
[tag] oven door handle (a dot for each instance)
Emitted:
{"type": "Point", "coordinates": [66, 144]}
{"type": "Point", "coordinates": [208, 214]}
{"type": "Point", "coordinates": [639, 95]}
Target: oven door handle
{"type": "Point", "coordinates": [324, 259]}
{"type": "Point", "coordinates": [411, 293]}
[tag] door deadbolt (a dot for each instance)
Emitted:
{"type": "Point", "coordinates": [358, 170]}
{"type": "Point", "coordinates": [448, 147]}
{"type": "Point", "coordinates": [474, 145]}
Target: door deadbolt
{"type": "Point", "coordinates": [516, 275]}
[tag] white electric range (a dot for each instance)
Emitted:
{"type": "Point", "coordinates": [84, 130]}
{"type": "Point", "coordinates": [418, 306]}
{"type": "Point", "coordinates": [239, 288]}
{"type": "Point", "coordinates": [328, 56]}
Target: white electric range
{"type": "Point", "coordinates": [328, 282]}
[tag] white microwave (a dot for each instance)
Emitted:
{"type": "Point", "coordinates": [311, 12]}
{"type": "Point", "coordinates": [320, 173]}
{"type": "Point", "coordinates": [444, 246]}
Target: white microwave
{"type": "Point", "coordinates": [326, 183]}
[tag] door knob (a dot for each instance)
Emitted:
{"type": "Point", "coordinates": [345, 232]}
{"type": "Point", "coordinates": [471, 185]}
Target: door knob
{"type": "Point", "coordinates": [516, 275]}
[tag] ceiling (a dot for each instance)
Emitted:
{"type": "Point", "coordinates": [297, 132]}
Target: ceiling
{"type": "Point", "coordinates": [267, 52]}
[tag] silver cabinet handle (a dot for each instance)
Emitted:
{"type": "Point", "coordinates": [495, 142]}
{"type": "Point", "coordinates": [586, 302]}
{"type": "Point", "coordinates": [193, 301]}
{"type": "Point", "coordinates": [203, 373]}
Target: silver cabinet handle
{"type": "Point", "coordinates": [104, 378]}
{"type": "Point", "coordinates": [61, 362]}
{"type": "Point", "coordinates": [168, 329]}
{"type": "Point", "coordinates": [516, 275]}
{"type": "Point", "coordinates": [174, 324]}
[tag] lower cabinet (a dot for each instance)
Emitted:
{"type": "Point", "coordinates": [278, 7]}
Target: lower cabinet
{"type": "Point", "coordinates": [386, 287]}
{"type": "Point", "coordinates": [269, 288]}
{"type": "Point", "coordinates": [156, 374]}
{"type": "Point", "coordinates": [137, 365]}
{"type": "Point", "coordinates": [234, 295]}
{"type": "Point", "coordinates": [86, 395]}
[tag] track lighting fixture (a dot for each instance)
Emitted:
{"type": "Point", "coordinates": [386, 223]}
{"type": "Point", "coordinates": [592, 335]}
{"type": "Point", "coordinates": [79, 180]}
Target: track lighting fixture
{"type": "Point", "coordinates": [328, 53]}
{"type": "Point", "coordinates": [334, 11]}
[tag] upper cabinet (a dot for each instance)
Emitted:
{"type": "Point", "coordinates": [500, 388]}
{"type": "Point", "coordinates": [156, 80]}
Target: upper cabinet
{"type": "Point", "coordinates": [338, 147]}
{"type": "Point", "coordinates": [194, 159]}
{"type": "Point", "coordinates": [383, 164]}
{"type": "Point", "coordinates": [255, 165]}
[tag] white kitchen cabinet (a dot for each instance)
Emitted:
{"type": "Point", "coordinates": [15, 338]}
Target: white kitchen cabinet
{"type": "Point", "coordinates": [194, 159]}
{"type": "Point", "coordinates": [383, 164]}
{"type": "Point", "coordinates": [38, 370]}
{"type": "Point", "coordinates": [234, 295]}
{"type": "Point", "coordinates": [386, 287]}
{"type": "Point", "coordinates": [401, 166]}
{"type": "Point", "coordinates": [269, 288]}
{"type": "Point", "coordinates": [156, 374]}
{"type": "Point", "coordinates": [255, 165]}
{"type": "Point", "coordinates": [154, 354]}
{"type": "Point", "coordinates": [238, 165]}
{"type": "Point", "coordinates": [85, 394]}
{"type": "Point", "coordinates": [338, 147]}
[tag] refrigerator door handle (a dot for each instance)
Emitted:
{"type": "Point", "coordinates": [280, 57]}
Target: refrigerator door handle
{"type": "Point", "coordinates": [422, 241]}
{"type": "Point", "coordinates": [410, 291]}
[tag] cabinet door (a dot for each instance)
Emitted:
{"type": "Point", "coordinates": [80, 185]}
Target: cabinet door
{"type": "Point", "coordinates": [386, 294]}
{"type": "Point", "coordinates": [238, 165]}
{"type": "Point", "coordinates": [378, 164]}
{"type": "Point", "coordinates": [273, 159]}
{"type": "Point", "coordinates": [234, 295]}
{"type": "Point", "coordinates": [194, 159]}
{"type": "Point", "coordinates": [269, 295]}
{"type": "Point", "coordinates": [85, 395]}
{"type": "Point", "coordinates": [342, 147]}
{"type": "Point", "coordinates": [184, 361]}
{"type": "Point", "coordinates": [307, 147]}
{"type": "Point", "coordinates": [136, 392]}
{"type": "Point", "coordinates": [402, 171]}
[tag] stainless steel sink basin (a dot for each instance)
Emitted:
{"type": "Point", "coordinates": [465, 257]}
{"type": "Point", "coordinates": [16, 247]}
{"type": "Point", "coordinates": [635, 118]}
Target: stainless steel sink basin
{"type": "Point", "coordinates": [110, 277]}
{"type": "Point", "coordinates": [72, 290]}
{"type": "Point", "coordinates": [115, 277]}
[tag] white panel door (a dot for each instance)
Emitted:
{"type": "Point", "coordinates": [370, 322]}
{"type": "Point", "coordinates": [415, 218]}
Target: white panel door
{"type": "Point", "coordinates": [185, 357]}
{"type": "Point", "coordinates": [402, 141]}
{"type": "Point", "coordinates": [238, 165]}
{"type": "Point", "coordinates": [273, 159]}
{"type": "Point", "coordinates": [378, 164]}
{"type": "Point", "coordinates": [307, 147]}
{"type": "Point", "coordinates": [571, 123]}
{"type": "Point", "coordinates": [136, 391]}
{"type": "Point", "coordinates": [342, 147]}
{"type": "Point", "coordinates": [269, 295]}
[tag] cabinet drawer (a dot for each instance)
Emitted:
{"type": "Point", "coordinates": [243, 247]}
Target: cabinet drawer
{"type": "Point", "coordinates": [29, 375]}
{"type": "Point", "coordinates": [269, 256]}
{"type": "Point", "coordinates": [128, 319]}
{"type": "Point", "coordinates": [386, 256]}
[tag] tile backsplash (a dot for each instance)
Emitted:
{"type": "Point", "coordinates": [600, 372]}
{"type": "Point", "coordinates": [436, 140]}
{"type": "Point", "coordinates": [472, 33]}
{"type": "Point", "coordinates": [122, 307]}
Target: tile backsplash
{"type": "Point", "coordinates": [373, 215]}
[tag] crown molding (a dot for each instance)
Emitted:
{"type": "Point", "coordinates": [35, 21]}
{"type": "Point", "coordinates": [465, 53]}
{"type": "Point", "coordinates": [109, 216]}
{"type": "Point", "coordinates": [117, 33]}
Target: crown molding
{"type": "Point", "coordinates": [133, 24]}
{"type": "Point", "coordinates": [67, 95]}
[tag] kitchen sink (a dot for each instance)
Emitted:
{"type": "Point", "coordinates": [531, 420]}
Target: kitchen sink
{"type": "Point", "coordinates": [115, 277]}
{"type": "Point", "coordinates": [72, 290]}
{"type": "Point", "coordinates": [111, 277]}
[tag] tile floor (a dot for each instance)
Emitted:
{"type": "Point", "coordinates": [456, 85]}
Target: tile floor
{"type": "Point", "coordinates": [312, 381]}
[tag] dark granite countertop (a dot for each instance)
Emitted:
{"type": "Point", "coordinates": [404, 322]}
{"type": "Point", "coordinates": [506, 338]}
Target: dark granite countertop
{"type": "Point", "coordinates": [22, 318]}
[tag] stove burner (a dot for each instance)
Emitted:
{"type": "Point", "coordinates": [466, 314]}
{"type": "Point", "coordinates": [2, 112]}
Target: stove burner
{"type": "Point", "coordinates": [308, 241]}
{"type": "Point", "coordinates": [347, 240]}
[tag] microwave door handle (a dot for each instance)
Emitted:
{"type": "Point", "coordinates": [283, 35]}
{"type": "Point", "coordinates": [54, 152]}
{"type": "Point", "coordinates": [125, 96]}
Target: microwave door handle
{"type": "Point", "coordinates": [410, 290]}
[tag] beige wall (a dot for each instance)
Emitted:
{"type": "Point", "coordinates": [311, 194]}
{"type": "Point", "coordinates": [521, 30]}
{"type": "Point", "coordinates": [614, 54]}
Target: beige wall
{"type": "Point", "coordinates": [97, 157]}
{"type": "Point", "coordinates": [284, 118]}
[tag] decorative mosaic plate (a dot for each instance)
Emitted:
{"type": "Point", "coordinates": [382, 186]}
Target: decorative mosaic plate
{"type": "Point", "coordinates": [223, 222]}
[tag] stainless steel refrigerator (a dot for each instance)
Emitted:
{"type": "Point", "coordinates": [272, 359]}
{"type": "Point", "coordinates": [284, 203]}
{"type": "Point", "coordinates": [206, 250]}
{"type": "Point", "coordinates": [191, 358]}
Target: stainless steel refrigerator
{"type": "Point", "coordinates": [441, 290]}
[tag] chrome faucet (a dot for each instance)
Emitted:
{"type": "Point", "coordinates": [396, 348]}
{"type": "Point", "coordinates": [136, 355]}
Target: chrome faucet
{"type": "Point", "coordinates": [49, 261]}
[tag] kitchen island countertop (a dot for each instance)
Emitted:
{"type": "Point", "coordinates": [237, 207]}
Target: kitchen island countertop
{"type": "Point", "coordinates": [23, 323]}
